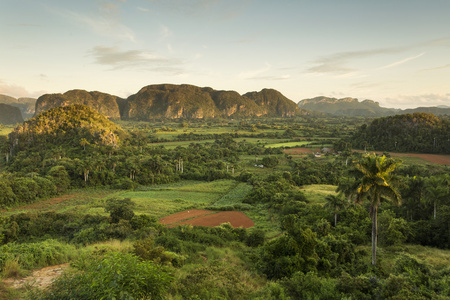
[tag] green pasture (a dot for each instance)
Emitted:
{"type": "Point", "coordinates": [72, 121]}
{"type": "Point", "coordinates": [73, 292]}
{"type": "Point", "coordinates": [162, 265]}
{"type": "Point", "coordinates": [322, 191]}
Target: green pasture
{"type": "Point", "coordinates": [316, 193]}
{"type": "Point", "coordinates": [289, 144]}
{"type": "Point", "coordinates": [6, 129]}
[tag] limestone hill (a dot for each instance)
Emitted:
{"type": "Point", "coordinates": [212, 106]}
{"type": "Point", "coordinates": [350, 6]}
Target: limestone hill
{"type": "Point", "coordinates": [26, 105]}
{"type": "Point", "coordinates": [10, 114]}
{"type": "Point", "coordinates": [71, 126]}
{"type": "Point", "coordinates": [176, 101]}
{"type": "Point", "coordinates": [105, 104]}
{"type": "Point", "coordinates": [345, 106]}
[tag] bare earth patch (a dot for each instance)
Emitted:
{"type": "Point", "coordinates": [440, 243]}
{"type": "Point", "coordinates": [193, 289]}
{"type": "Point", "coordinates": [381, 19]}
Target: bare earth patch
{"type": "Point", "coordinates": [41, 278]}
{"type": "Point", "coordinates": [208, 218]}
{"type": "Point", "coordinates": [184, 215]}
{"type": "Point", "coordinates": [300, 151]}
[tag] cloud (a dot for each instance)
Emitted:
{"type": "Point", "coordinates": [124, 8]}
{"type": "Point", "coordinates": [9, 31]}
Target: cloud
{"type": "Point", "coordinates": [220, 9]}
{"type": "Point", "coordinates": [17, 91]}
{"type": "Point", "coordinates": [254, 73]}
{"type": "Point", "coordinates": [397, 63]}
{"type": "Point", "coordinates": [165, 32]}
{"type": "Point", "coordinates": [119, 59]}
{"type": "Point", "coordinates": [337, 63]}
{"type": "Point", "coordinates": [258, 74]}
{"type": "Point", "coordinates": [105, 27]}
{"type": "Point", "coordinates": [436, 68]}
{"type": "Point", "coordinates": [105, 22]}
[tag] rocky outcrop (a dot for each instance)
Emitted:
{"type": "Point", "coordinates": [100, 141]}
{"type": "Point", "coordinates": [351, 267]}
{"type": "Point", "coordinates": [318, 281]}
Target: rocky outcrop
{"type": "Point", "coordinates": [273, 103]}
{"type": "Point", "coordinates": [105, 104]}
{"type": "Point", "coordinates": [189, 101]}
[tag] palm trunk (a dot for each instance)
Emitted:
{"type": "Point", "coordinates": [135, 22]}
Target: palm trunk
{"type": "Point", "coordinates": [435, 206]}
{"type": "Point", "coordinates": [335, 219]}
{"type": "Point", "coordinates": [374, 234]}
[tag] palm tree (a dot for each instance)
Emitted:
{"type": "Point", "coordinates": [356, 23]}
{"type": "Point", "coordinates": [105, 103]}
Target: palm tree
{"type": "Point", "coordinates": [375, 185]}
{"type": "Point", "coordinates": [336, 203]}
{"type": "Point", "coordinates": [435, 191]}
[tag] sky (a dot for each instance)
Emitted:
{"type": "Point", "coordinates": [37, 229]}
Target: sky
{"type": "Point", "coordinates": [395, 52]}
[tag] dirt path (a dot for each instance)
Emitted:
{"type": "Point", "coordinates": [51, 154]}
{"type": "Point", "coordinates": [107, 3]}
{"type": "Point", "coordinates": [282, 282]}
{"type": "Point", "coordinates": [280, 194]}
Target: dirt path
{"type": "Point", "coordinates": [40, 278]}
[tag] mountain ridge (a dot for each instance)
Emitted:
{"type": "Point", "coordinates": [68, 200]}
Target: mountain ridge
{"type": "Point", "coordinates": [353, 107]}
{"type": "Point", "coordinates": [177, 101]}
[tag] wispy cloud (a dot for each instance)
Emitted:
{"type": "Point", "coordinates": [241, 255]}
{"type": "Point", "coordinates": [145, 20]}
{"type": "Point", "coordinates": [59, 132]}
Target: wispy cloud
{"type": "Point", "coordinates": [122, 59]}
{"type": "Point", "coordinates": [104, 22]}
{"type": "Point", "coordinates": [337, 63]}
{"type": "Point", "coordinates": [165, 32]}
{"type": "Point", "coordinates": [105, 26]}
{"type": "Point", "coordinates": [261, 74]}
{"type": "Point", "coordinates": [17, 91]}
{"type": "Point", "coordinates": [400, 62]}
{"type": "Point", "coordinates": [221, 9]}
{"type": "Point", "coordinates": [436, 68]}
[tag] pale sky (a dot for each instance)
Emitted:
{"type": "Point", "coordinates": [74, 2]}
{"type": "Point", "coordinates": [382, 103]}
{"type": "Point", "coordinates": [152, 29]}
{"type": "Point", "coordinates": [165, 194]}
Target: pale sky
{"type": "Point", "coordinates": [395, 52]}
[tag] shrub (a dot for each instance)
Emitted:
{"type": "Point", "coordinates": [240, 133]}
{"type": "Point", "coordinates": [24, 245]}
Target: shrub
{"type": "Point", "coordinates": [120, 209]}
{"type": "Point", "coordinates": [115, 276]}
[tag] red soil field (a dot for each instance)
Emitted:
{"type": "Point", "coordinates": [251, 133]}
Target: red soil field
{"type": "Point", "coordinates": [299, 151]}
{"type": "Point", "coordinates": [184, 215]}
{"type": "Point", "coordinates": [208, 218]}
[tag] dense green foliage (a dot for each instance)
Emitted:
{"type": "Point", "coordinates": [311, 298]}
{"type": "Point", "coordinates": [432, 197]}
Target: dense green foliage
{"type": "Point", "coordinates": [68, 126]}
{"type": "Point", "coordinates": [418, 132]}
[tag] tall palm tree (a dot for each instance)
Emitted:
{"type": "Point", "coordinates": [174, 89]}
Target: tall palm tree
{"type": "Point", "coordinates": [336, 203]}
{"type": "Point", "coordinates": [374, 174]}
{"type": "Point", "coordinates": [435, 191]}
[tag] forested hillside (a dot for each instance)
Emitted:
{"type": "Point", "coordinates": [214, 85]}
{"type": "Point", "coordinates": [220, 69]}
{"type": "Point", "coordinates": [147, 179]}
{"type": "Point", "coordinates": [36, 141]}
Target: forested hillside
{"type": "Point", "coordinates": [68, 126]}
{"type": "Point", "coordinates": [418, 132]}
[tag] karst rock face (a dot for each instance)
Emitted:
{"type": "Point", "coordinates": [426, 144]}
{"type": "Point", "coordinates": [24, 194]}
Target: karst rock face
{"type": "Point", "coordinates": [106, 104]}
{"type": "Point", "coordinates": [173, 101]}
{"type": "Point", "coordinates": [274, 103]}
{"type": "Point", "coordinates": [10, 114]}
{"type": "Point", "coordinates": [188, 101]}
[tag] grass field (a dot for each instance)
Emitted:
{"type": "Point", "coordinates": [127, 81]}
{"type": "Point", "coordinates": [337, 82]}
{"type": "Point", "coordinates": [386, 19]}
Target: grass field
{"type": "Point", "coordinates": [316, 193]}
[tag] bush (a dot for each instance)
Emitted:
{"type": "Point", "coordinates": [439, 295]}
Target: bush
{"type": "Point", "coordinates": [115, 276]}
{"type": "Point", "coordinates": [120, 209]}
{"type": "Point", "coordinates": [255, 238]}
{"type": "Point", "coordinates": [36, 255]}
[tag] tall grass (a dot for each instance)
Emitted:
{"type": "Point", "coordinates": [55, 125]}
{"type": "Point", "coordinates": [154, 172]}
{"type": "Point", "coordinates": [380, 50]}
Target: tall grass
{"type": "Point", "coordinates": [37, 255]}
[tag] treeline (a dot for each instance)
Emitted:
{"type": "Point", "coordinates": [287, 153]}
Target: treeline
{"type": "Point", "coordinates": [36, 172]}
{"type": "Point", "coordinates": [418, 132]}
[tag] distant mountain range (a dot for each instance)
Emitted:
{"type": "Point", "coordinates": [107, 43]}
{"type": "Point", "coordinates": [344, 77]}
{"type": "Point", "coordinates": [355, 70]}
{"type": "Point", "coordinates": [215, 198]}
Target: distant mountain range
{"type": "Point", "coordinates": [192, 102]}
{"type": "Point", "coordinates": [177, 101]}
{"type": "Point", "coordinates": [367, 108]}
